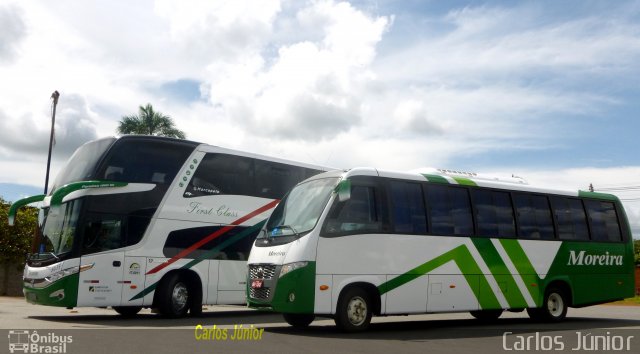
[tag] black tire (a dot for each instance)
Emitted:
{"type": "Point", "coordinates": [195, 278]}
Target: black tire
{"type": "Point", "coordinates": [486, 315]}
{"type": "Point", "coordinates": [554, 307]}
{"type": "Point", "coordinates": [174, 296]}
{"type": "Point", "coordinates": [127, 311]}
{"type": "Point", "coordinates": [354, 310]}
{"type": "Point", "coordinates": [298, 320]}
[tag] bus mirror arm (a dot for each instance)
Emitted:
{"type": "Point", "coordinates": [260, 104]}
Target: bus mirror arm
{"type": "Point", "coordinates": [13, 210]}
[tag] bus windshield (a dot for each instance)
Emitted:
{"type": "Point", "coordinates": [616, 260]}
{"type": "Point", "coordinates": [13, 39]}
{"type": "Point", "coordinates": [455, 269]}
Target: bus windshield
{"type": "Point", "coordinates": [300, 210]}
{"type": "Point", "coordinates": [59, 227]}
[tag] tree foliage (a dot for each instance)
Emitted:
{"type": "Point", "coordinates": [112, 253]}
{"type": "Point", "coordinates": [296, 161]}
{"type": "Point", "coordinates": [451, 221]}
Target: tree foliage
{"type": "Point", "coordinates": [636, 248]}
{"type": "Point", "coordinates": [149, 122]}
{"type": "Point", "coordinates": [15, 241]}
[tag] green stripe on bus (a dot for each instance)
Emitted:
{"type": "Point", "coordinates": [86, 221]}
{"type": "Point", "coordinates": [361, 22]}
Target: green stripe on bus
{"type": "Point", "coordinates": [60, 193]}
{"type": "Point", "coordinates": [436, 179]}
{"type": "Point", "coordinates": [524, 267]}
{"type": "Point", "coordinates": [468, 266]}
{"type": "Point", "coordinates": [500, 272]}
{"type": "Point", "coordinates": [465, 181]}
{"type": "Point", "coordinates": [596, 195]}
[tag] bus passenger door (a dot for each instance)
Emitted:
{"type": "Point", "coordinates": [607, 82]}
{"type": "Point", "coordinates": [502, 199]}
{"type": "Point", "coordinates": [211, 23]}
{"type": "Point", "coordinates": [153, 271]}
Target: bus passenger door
{"type": "Point", "coordinates": [101, 285]}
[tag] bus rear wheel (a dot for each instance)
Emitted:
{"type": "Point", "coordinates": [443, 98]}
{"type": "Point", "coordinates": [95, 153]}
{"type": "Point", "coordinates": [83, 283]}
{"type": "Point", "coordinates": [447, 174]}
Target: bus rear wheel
{"type": "Point", "coordinates": [127, 311]}
{"type": "Point", "coordinates": [298, 320]}
{"type": "Point", "coordinates": [353, 313]}
{"type": "Point", "coordinates": [554, 307]}
{"type": "Point", "coordinates": [174, 296]}
{"type": "Point", "coordinates": [486, 315]}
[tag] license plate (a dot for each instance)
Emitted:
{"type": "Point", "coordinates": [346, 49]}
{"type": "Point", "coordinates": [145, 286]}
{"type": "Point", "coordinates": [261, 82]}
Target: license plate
{"type": "Point", "coordinates": [256, 284]}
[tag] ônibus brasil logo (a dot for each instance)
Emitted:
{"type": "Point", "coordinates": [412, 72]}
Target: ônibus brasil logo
{"type": "Point", "coordinates": [583, 258]}
{"type": "Point", "coordinates": [32, 342]}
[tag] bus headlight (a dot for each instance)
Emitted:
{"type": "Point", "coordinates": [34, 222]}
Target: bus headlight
{"type": "Point", "coordinates": [291, 267]}
{"type": "Point", "coordinates": [61, 274]}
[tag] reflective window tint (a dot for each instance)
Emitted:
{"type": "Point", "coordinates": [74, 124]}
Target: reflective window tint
{"type": "Point", "coordinates": [408, 208]}
{"type": "Point", "coordinates": [604, 221]}
{"type": "Point", "coordinates": [534, 216]}
{"type": "Point", "coordinates": [237, 175]}
{"type": "Point", "coordinates": [449, 210]}
{"type": "Point", "coordinates": [357, 215]}
{"type": "Point", "coordinates": [144, 161]}
{"type": "Point", "coordinates": [222, 174]}
{"type": "Point", "coordinates": [274, 180]}
{"type": "Point", "coordinates": [494, 213]}
{"type": "Point", "coordinates": [571, 219]}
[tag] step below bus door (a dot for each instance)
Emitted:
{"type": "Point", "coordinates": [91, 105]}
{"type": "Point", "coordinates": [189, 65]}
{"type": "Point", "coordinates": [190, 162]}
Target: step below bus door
{"type": "Point", "coordinates": [101, 285]}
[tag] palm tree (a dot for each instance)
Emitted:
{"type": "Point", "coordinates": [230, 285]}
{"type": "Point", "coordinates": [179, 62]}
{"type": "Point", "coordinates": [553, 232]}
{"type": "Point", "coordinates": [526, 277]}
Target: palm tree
{"type": "Point", "coordinates": [149, 122]}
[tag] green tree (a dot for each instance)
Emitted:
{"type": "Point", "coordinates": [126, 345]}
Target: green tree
{"type": "Point", "coordinates": [149, 122]}
{"type": "Point", "coordinates": [636, 247]}
{"type": "Point", "coordinates": [15, 241]}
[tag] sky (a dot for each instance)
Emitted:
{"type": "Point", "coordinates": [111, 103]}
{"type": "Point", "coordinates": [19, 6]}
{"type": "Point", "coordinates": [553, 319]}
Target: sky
{"type": "Point", "coordinates": [546, 90]}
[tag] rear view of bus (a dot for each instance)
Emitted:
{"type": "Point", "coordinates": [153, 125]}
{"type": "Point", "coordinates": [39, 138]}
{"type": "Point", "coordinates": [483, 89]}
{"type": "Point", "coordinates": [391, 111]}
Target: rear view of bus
{"type": "Point", "coordinates": [364, 242]}
{"type": "Point", "coordinates": [142, 221]}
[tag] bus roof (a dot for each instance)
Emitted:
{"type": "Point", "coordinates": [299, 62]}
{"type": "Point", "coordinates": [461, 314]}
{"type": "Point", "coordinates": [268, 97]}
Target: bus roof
{"type": "Point", "coordinates": [468, 179]}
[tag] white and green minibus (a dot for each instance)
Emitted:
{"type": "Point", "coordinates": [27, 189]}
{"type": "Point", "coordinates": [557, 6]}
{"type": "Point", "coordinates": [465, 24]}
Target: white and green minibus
{"type": "Point", "coordinates": [144, 221]}
{"type": "Point", "coordinates": [363, 242]}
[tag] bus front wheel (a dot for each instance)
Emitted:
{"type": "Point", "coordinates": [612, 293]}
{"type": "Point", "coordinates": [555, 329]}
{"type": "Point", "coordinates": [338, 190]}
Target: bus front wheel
{"type": "Point", "coordinates": [174, 296]}
{"type": "Point", "coordinates": [298, 320]}
{"type": "Point", "coordinates": [353, 313]}
{"type": "Point", "coordinates": [553, 309]}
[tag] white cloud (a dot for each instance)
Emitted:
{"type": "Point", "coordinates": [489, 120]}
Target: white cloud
{"type": "Point", "coordinates": [320, 81]}
{"type": "Point", "coordinates": [311, 90]}
{"type": "Point", "coordinates": [12, 31]}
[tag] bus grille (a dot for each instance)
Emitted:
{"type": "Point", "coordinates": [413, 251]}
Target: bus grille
{"type": "Point", "coordinates": [261, 271]}
{"type": "Point", "coordinates": [262, 294]}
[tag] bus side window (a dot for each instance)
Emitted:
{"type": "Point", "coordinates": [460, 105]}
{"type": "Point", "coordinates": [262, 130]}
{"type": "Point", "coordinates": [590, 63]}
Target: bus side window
{"type": "Point", "coordinates": [604, 221]}
{"type": "Point", "coordinates": [409, 215]}
{"type": "Point", "coordinates": [273, 180]}
{"type": "Point", "coordinates": [102, 233]}
{"type": "Point", "coordinates": [449, 210]}
{"type": "Point", "coordinates": [357, 215]}
{"type": "Point", "coordinates": [494, 213]}
{"type": "Point", "coordinates": [222, 174]}
{"type": "Point", "coordinates": [534, 216]}
{"type": "Point", "coordinates": [571, 218]}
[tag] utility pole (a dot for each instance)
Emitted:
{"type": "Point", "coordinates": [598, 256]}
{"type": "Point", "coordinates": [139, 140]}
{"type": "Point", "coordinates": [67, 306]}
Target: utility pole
{"type": "Point", "coordinates": [54, 96]}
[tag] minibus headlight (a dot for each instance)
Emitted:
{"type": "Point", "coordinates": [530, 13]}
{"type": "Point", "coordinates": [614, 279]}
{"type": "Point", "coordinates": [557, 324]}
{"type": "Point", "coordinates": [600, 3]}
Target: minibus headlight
{"type": "Point", "coordinates": [291, 267]}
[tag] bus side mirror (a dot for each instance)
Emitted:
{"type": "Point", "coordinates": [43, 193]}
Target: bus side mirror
{"type": "Point", "coordinates": [343, 189]}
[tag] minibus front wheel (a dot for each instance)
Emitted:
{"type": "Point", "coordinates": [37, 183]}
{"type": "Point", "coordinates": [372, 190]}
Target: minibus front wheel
{"type": "Point", "coordinates": [354, 310]}
{"type": "Point", "coordinates": [298, 320]}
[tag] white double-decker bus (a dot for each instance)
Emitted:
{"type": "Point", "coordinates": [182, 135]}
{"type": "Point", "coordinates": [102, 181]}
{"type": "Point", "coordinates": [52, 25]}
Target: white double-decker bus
{"type": "Point", "coordinates": [142, 221]}
{"type": "Point", "coordinates": [363, 242]}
